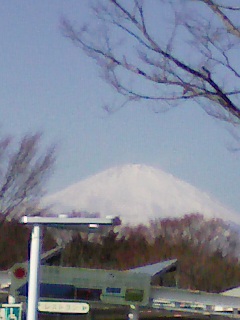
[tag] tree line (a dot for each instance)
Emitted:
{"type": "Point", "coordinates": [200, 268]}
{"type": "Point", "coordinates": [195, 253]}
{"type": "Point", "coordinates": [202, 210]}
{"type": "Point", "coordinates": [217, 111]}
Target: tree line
{"type": "Point", "coordinates": [206, 251]}
{"type": "Point", "coordinates": [202, 264]}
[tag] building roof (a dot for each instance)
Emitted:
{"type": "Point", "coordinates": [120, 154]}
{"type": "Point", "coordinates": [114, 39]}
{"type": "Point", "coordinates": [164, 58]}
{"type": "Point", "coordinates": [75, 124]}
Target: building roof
{"type": "Point", "coordinates": [48, 255]}
{"type": "Point", "coordinates": [235, 292]}
{"type": "Point", "coordinates": [157, 268]}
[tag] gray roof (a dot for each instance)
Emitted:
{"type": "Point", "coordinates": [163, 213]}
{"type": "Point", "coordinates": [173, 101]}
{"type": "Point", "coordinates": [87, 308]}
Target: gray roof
{"type": "Point", "coordinates": [235, 292]}
{"type": "Point", "coordinates": [50, 253]}
{"type": "Point", "coordinates": [156, 268]}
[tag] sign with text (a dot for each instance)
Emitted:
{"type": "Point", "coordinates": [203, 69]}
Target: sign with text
{"type": "Point", "coordinates": [63, 307]}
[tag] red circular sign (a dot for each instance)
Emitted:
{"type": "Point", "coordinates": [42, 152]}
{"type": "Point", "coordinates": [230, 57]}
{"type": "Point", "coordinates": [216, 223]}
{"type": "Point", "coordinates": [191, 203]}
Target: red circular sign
{"type": "Point", "coordinates": [20, 273]}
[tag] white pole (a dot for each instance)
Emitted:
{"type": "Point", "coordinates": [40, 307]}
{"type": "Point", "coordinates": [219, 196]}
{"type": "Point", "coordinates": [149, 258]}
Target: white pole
{"type": "Point", "coordinates": [33, 285]}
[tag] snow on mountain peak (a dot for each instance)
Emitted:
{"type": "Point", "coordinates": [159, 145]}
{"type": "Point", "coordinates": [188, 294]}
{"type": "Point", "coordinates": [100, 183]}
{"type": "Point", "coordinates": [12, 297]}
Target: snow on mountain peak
{"type": "Point", "coordinates": [137, 193]}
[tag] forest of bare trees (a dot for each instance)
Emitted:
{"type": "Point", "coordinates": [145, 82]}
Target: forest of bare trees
{"type": "Point", "coordinates": [207, 250]}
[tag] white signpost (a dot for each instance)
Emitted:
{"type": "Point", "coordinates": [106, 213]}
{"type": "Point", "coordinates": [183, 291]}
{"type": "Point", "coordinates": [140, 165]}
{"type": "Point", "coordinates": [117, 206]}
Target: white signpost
{"type": "Point", "coordinates": [85, 224]}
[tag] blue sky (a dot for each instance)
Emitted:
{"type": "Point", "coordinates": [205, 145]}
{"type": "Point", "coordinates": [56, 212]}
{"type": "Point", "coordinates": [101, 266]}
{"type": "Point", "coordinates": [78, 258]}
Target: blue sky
{"type": "Point", "coordinates": [49, 85]}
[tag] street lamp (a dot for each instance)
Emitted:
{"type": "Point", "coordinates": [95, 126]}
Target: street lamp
{"type": "Point", "coordinates": [82, 224]}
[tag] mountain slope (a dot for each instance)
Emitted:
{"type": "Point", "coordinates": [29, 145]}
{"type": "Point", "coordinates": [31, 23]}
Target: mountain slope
{"type": "Point", "coordinates": [137, 193]}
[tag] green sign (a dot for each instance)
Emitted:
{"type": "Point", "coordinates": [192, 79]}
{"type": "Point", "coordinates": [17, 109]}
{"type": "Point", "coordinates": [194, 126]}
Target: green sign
{"type": "Point", "coordinates": [10, 311]}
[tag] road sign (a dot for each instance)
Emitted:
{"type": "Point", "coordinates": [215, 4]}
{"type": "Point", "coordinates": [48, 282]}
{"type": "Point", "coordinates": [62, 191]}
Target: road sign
{"type": "Point", "coordinates": [63, 307]}
{"type": "Point", "coordinates": [10, 311]}
{"type": "Point", "coordinates": [108, 286]}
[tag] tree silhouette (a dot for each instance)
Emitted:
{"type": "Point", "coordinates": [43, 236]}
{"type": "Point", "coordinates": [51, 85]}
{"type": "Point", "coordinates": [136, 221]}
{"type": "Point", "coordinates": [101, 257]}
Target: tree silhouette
{"type": "Point", "coordinates": [24, 169]}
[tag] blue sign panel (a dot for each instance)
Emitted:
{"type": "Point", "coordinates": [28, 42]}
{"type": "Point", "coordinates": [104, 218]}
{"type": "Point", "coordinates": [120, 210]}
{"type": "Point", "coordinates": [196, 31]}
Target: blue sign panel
{"type": "Point", "coordinates": [10, 311]}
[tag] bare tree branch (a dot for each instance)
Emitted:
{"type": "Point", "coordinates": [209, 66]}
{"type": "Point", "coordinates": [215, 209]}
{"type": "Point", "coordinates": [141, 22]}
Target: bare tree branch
{"type": "Point", "coordinates": [164, 73]}
{"type": "Point", "coordinates": [228, 23]}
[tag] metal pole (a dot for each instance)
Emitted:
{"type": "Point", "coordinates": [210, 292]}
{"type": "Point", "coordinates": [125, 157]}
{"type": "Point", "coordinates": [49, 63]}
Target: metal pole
{"type": "Point", "coordinates": [33, 285]}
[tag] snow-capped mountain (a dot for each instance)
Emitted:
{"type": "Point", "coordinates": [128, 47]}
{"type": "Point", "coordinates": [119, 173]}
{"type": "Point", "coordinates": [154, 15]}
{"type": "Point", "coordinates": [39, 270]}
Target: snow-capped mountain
{"type": "Point", "coordinates": [137, 193]}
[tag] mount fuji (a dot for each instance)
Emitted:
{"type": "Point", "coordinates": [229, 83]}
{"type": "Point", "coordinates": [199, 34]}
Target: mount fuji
{"type": "Point", "coordinates": [137, 194]}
